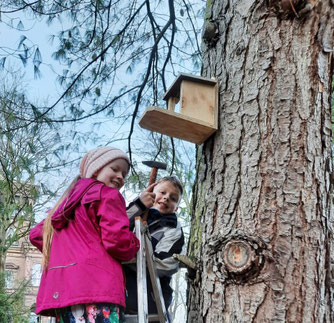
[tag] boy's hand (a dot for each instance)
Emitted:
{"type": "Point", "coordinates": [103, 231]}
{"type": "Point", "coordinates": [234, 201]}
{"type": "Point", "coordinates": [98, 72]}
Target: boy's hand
{"type": "Point", "coordinates": [147, 197]}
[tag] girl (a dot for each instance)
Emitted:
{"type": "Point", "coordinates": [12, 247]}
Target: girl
{"type": "Point", "coordinates": [84, 239]}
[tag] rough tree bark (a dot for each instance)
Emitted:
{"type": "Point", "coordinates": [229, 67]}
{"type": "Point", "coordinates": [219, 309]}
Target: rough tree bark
{"type": "Point", "coordinates": [262, 218]}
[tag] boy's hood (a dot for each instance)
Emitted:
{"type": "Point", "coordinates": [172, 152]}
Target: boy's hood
{"type": "Point", "coordinates": [65, 211]}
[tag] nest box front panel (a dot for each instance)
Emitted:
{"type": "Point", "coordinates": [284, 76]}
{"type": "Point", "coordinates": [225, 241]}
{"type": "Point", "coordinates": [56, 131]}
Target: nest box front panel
{"type": "Point", "coordinates": [198, 101]}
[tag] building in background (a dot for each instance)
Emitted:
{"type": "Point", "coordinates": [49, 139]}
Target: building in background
{"type": "Point", "coordinates": [24, 266]}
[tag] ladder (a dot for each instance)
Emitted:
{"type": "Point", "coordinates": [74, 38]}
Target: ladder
{"type": "Point", "coordinates": [145, 257]}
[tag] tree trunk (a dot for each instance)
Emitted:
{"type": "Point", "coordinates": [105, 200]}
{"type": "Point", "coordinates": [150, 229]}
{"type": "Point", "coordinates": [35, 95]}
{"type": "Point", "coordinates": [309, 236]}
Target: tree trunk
{"type": "Point", "coordinates": [2, 249]}
{"type": "Point", "coordinates": [262, 219]}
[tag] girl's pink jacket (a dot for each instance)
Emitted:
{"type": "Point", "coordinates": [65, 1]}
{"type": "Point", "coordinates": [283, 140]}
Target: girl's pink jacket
{"type": "Point", "coordinates": [90, 240]}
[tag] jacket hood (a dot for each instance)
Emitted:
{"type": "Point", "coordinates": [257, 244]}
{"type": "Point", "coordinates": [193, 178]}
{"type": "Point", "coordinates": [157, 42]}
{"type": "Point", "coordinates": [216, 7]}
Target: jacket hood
{"type": "Point", "coordinates": [65, 211]}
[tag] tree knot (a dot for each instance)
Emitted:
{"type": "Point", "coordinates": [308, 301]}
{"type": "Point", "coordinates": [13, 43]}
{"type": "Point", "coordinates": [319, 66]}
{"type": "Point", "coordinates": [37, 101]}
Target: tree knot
{"type": "Point", "coordinates": [243, 259]}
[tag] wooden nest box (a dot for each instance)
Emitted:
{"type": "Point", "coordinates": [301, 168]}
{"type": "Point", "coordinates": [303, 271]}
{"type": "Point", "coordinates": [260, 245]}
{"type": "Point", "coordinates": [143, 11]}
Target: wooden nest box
{"type": "Point", "coordinates": [197, 119]}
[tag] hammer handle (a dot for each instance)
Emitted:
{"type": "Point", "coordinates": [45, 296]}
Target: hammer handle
{"type": "Point", "coordinates": [153, 176]}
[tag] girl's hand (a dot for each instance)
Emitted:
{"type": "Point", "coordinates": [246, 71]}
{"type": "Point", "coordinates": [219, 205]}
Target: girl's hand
{"type": "Point", "coordinates": [147, 197]}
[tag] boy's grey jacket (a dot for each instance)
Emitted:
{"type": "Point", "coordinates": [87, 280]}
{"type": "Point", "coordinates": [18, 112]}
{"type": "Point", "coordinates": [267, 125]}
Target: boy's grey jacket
{"type": "Point", "coordinates": [166, 233]}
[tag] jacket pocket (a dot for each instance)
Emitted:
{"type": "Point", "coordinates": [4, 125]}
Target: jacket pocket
{"type": "Point", "coordinates": [62, 266]}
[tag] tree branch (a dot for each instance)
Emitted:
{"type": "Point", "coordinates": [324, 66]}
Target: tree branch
{"type": "Point", "coordinates": [153, 53]}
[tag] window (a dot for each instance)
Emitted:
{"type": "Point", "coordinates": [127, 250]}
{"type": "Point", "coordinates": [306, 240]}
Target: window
{"type": "Point", "coordinates": [9, 279]}
{"type": "Point", "coordinates": [33, 318]}
{"type": "Point", "coordinates": [36, 274]}
{"type": "Point", "coordinates": [10, 233]}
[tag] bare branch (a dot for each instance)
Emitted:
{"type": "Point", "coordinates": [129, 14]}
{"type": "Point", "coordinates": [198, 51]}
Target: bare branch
{"type": "Point", "coordinates": [154, 48]}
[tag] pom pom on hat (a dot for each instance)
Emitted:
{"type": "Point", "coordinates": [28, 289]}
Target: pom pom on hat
{"type": "Point", "coordinates": [97, 158]}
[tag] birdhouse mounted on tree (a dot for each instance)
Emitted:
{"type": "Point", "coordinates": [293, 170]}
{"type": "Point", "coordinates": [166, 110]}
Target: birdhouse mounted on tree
{"type": "Point", "coordinates": [197, 117]}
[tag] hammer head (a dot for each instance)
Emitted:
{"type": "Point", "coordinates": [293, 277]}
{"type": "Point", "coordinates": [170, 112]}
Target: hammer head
{"type": "Point", "coordinates": [155, 164]}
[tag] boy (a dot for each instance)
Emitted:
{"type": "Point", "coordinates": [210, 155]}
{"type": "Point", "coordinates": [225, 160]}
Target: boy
{"type": "Point", "coordinates": [162, 200]}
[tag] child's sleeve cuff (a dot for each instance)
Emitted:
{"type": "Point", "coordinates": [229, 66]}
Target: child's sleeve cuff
{"type": "Point", "coordinates": [135, 208]}
{"type": "Point", "coordinates": [140, 204]}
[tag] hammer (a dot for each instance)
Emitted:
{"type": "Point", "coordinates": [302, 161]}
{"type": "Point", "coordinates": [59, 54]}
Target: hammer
{"type": "Point", "coordinates": [155, 166]}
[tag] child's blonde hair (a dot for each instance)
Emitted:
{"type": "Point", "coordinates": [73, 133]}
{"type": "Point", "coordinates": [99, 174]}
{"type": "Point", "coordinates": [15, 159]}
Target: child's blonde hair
{"type": "Point", "coordinates": [47, 226]}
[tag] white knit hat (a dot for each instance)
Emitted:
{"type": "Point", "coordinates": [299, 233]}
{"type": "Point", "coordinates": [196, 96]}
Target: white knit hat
{"type": "Point", "coordinates": [97, 158]}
